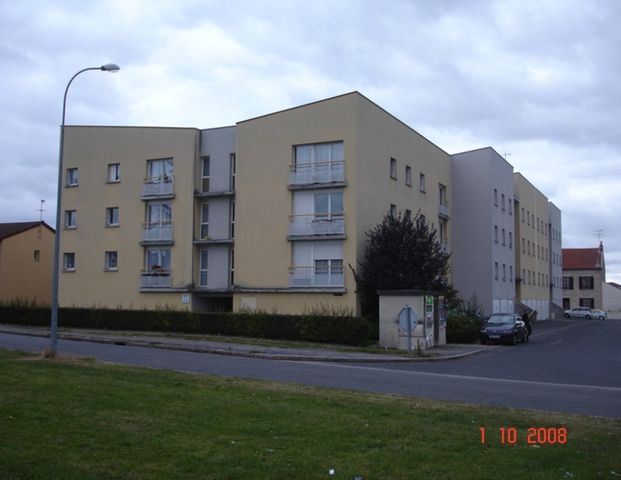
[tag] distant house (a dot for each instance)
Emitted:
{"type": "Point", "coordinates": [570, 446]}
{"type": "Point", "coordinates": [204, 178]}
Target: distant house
{"type": "Point", "coordinates": [612, 298]}
{"type": "Point", "coordinates": [584, 274]}
{"type": "Point", "coordinates": [26, 250]}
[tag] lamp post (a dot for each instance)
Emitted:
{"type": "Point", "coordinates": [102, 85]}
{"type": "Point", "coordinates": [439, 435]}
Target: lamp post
{"type": "Point", "coordinates": [109, 67]}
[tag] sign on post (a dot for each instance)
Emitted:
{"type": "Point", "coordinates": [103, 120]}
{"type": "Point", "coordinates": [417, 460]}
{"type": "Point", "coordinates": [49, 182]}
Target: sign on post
{"type": "Point", "coordinates": [407, 322]}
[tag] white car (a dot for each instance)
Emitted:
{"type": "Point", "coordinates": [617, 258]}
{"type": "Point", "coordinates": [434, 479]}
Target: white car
{"type": "Point", "coordinates": [579, 312]}
{"type": "Point", "coordinates": [599, 314]}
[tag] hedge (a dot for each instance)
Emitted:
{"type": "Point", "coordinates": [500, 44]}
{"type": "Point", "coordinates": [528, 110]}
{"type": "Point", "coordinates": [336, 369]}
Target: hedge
{"type": "Point", "coordinates": [344, 330]}
{"type": "Point", "coordinates": [462, 328]}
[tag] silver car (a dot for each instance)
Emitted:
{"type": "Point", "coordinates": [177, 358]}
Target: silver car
{"type": "Point", "coordinates": [579, 312]}
{"type": "Point", "coordinates": [599, 314]}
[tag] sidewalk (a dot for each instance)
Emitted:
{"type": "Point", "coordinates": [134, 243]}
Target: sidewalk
{"type": "Point", "coordinates": [443, 352]}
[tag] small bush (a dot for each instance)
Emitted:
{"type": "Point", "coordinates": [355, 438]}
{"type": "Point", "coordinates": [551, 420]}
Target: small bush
{"type": "Point", "coordinates": [337, 329]}
{"type": "Point", "coordinates": [462, 328]}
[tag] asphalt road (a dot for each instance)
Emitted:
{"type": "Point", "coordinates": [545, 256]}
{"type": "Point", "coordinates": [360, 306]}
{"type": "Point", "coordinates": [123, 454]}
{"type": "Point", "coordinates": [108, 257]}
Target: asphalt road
{"type": "Point", "coordinates": [574, 367]}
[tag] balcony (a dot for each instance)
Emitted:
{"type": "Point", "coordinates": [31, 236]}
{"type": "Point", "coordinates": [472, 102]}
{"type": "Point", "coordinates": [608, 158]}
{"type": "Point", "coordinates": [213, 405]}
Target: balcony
{"type": "Point", "coordinates": [163, 186]}
{"type": "Point", "coordinates": [316, 173]}
{"type": "Point", "coordinates": [157, 232]}
{"type": "Point", "coordinates": [317, 225]}
{"type": "Point", "coordinates": [156, 278]}
{"type": "Point", "coordinates": [316, 277]}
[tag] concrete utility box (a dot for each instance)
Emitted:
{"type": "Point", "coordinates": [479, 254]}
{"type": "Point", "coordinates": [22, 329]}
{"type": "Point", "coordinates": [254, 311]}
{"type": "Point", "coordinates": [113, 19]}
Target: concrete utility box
{"type": "Point", "coordinates": [426, 313]}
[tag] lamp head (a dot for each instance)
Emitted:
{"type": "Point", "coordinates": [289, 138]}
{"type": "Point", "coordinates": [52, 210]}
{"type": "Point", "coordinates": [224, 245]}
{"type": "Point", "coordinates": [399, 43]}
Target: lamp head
{"type": "Point", "coordinates": [110, 67]}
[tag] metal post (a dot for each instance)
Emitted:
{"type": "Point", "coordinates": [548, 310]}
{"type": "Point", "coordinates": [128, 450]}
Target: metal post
{"type": "Point", "coordinates": [110, 67]}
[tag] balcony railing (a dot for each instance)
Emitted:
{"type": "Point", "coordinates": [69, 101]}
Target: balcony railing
{"type": "Point", "coordinates": [323, 224]}
{"type": "Point", "coordinates": [322, 172]}
{"type": "Point", "coordinates": [316, 277]}
{"type": "Point", "coordinates": [156, 278]}
{"type": "Point", "coordinates": [159, 186]}
{"type": "Point", "coordinates": [157, 232]}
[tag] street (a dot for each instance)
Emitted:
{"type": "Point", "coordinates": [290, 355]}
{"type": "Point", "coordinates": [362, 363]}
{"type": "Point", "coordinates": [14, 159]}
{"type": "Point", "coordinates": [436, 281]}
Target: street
{"type": "Point", "coordinates": [566, 367]}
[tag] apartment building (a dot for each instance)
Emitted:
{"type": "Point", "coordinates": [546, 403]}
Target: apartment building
{"type": "Point", "coordinates": [584, 277]}
{"type": "Point", "coordinates": [26, 250]}
{"type": "Point", "coordinates": [483, 226]}
{"type": "Point", "coordinates": [508, 237]}
{"type": "Point", "coordinates": [268, 214]}
{"type": "Point", "coordinates": [534, 226]}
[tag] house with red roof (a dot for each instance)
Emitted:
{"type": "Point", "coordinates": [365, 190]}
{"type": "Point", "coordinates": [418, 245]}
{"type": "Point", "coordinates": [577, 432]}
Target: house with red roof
{"type": "Point", "coordinates": [584, 273]}
{"type": "Point", "coordinates": [26, 254]}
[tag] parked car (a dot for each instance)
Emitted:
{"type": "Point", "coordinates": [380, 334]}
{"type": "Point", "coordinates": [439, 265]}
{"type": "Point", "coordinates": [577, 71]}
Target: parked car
{"type": "Point", "coordinates": [599, 314]}
{"type": "Point", "coordinates": [579, 312]}
{"type": "Point", "coordinates": [502, 327]}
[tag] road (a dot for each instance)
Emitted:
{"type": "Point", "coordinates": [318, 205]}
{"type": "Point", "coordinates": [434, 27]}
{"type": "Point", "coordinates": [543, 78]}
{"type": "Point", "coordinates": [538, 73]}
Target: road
{"type": "Point", "coordinates": [575, 369]}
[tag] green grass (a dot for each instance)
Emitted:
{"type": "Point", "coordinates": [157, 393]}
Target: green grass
{"type": "Point", "coordinates": [80, 419]}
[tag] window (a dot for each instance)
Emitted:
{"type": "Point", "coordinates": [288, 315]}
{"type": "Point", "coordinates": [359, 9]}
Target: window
{"type": "Point", "coordinates": [523, 245]}
{"type": "Point", "coordinates": [510, 239]}
{"type": "Point", "coordinates": [71, 219]}
{"type": "Point", "coordinates": [527, 217]}
{"type": "Point", "coordinates": [408, 176]}
{"type": "Point", "coordinates": [232, 280]}
{"type": "Point", "coordinates": [568, 283]}
{"type": "Point", "coordinates": [393, 168]}
{"type": "Point", "coordinates": [205, 174]}
{"type": "Point", "coordinates": [496, 270]}
{"type": "Point", "coordinates": [495, 196]}
{"type": "Point", "coordinates": [393, 210]}
{"type": "Point", "coordinates": [495, 233]}
{"type": "Point", "coordinates": [585, 283]}
{"type": "Point", "coordinates": [511, 273]}
{"type": "Point", "coordinates": [502, 202]}
{"type": "Point", "coordinates": [111, 261]}
{"type": "Point", "coordinates": [157, 260]}
{"type": "Point", "coordinates": [232, 219]}
{"type": "Point", "coordinates": [587, 302]}
{"type": "Point", "coordinates": [114, 173]}
{"type": "Point", "coordinates": [330, 269]}
{"type": "Point", "coordinates": [204, 221]}
{"type": "Point", "coordinates": [442, 231]}
{"type": "Point", "coordinates": [328, 205]}
{"type": "Point", "coordinates": [37, 255]}
{"type": "Point", "coordinates": [503, 237]}
{"type": "Point", "coordinates": [112, 217]}
{"type": "Point", "coordinates": [160, 171]}
{"type": "Point", "coordinates": [421, 183]}
{"type": "Point", "coordinates": [522, 214]}
{"type": "Point", "coordinates": [233, 166]}
{"type": "Point", "coordinates": [69, 262]}
{"type": "Point", "coordinates": [203, 268]}
{"type": "Point", "coordinates": [408, 212]}
{"type": "Point", "coordinates": [317, 163]}
{"type": "Point", "coordinates": [504, 272]}
{"type": "Point", "coordinates": [442, 194]}
{"type": "Point", "coordinates": [72, 177]}
{"type": "Point", "coordinates": [509, 205]}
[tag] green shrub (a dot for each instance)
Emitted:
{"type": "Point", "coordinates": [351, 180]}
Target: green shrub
{"type": "Point", "coordinates": [337, 329]}
{"type": "Point", "coordinates": [462, 328]}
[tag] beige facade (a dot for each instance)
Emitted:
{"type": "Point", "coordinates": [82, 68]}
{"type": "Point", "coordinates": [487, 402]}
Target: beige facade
{"type": "Point", "coordinates": [26, 253]}
{"type": "Point", "coordinates": [533, 258]}
{"type": "Point", "coordinates": [121, 168]}
{"type": "Point", "coordinates": [366, 176]}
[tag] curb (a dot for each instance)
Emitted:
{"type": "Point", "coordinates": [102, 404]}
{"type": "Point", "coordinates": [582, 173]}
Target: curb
{"type": "Point", "coordinates": [239, 353]}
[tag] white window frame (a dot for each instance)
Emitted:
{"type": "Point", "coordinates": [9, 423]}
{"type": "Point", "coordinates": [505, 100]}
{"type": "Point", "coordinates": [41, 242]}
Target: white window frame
{"type": "Point", "coordinates": [408, 175]}
{"type": "Point", "coordinates": [422, 183]}
{"type": "Point", "coordinates": [204, 221]}
{"type": "Point", "coordinates": [71, 219]}
{"type": "Point", "coordinates": [69, 262]}
{"type": "Point", "coordinates": [110, 214]}
{"type": "Point", "coordinates": [205, 173]}
{"type": "Point", "coordinates": [111, 261]}
{"type": "Point", "coordinates": [72, 178]}
{"type": "Point", "coordinates": [393, 168]}
{"type": "Point", "coordinates": [203, 268]}
{"type": "Point", "coordinates": [114, 172]}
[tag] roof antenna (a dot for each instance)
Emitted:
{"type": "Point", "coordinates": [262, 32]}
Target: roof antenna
{"type": "Point", "coordinates": [506, 154]}
{"type": "Point", "coordinates": [41, 210]}
{"type": "Point", "coordinates": [600, 234]}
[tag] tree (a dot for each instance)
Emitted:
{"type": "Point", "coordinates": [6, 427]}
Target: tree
{"type": "Point", "coordinates": [402, 253]}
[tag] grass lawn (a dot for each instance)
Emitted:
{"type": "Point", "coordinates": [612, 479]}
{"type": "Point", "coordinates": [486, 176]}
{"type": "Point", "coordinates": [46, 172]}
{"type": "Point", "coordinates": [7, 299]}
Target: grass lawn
{"type": "Point", "coordinates": [78, 419]}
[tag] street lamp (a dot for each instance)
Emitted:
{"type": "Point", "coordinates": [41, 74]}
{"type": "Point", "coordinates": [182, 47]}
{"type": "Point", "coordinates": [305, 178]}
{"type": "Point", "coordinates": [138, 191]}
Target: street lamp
{"type": "Point", "coordinates": [108, 67]}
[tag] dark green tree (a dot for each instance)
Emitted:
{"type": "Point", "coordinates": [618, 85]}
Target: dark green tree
{"type": "Point", "coordinates": [402, 253]}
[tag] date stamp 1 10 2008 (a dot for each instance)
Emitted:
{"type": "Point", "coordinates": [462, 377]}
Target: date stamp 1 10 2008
{"type": "Point", "coordinates": [530, 436]}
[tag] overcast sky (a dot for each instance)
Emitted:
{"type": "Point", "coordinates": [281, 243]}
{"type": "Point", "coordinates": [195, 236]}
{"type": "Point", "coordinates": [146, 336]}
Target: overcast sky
{"type": "Point", "coordinates": [539, 80]}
